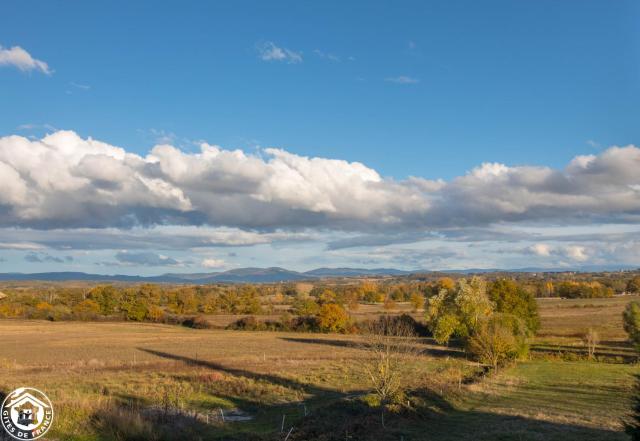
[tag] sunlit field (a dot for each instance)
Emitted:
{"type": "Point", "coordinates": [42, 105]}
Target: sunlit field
{"type": "Point", "coordinates": [568, 317]}
{"type": "Point", "coordinates": [320, 220]}
{"type": "Point", "coordinates": [112, 381]}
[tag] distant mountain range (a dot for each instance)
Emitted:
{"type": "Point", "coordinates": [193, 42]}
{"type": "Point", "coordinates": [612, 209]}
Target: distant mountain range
{"type": "Point", "coordinates": [276, 274]}
{"type": "Point", "coordinates": [240, 275]}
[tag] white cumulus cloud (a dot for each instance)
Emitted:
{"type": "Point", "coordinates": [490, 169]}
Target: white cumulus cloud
{"type": "Point", "coordinates": [540, 249]}
{"type": "Point", "coordinates": [21, 59]}
{"type": "Point", "coordinates": [213, 263]}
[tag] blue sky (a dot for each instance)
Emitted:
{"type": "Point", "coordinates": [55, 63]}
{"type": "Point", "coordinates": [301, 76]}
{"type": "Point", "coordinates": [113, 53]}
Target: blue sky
{"type": "Point", "coordinates": [414, 88]}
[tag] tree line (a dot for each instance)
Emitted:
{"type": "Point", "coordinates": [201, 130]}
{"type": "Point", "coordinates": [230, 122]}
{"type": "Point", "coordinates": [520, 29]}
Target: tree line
{"type": "Point", "coordinates": [150, 302]}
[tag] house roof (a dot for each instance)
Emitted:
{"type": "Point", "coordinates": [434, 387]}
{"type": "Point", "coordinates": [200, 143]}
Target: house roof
{"type": "Point", "coordinates": [27, 398]}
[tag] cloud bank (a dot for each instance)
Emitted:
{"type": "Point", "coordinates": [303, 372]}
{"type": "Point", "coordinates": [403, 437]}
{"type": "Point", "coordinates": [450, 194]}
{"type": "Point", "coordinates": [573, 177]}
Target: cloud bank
{"type": "Point", "coordinates": [65, 181]}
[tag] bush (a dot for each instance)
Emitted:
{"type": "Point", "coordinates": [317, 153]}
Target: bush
{"type": "Point", "coordinates": [198, 322]}
{"type": "Point", "coordinates": [286, 323]}
{"type": "Point", "coordinates": [156, 314]}
{"type": "Point", "coordinates": [121, 424]}
{"type": "Point", "coordinates": [388, 324]}
{"type": "Point", "coordinates": [305, 324]}
{"type": "Point", "coordinates": [498, 339]}
{"type": "Point", "coordinates": [59, 313]}
{"type": "Point", "coordinates": [245, 324]}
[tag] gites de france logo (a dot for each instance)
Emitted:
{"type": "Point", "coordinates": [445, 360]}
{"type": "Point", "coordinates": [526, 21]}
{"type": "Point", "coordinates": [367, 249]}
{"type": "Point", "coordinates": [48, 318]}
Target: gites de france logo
{"type": "Point", "coordinates": [26, 413]}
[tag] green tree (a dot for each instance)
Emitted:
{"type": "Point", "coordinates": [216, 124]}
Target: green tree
{"type": "Point", "coordinates": [445, 327]}
{"type": "Point", "coordinates": [107, 297]}
{"type": "Point", "coordinates": [511, 298]}
{"type": "Point", "coordinates": [457, 312]}
{"type": "Point", "coordinates": [631, 322]}
{"type": "Point", "coordinates": [134, 305]}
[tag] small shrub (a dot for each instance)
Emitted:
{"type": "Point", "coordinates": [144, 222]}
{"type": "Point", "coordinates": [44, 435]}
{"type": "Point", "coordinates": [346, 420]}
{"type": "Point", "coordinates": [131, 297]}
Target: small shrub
{"type": "Point", "coordinates": [249, 323]}
{"type": "Point", "coordinates": [390, 347]}
{"type": "Point", "coordinates": [372, 400]}
{"type": "Point", "coordinates": [305, 324]}
{"type": "Point", "coordinates": [198, 322]}
{"type": "Point", "coordinates": [498, 339]}
{"type": "Point", "coordinates": [121, 424]}
{"type": "Point", "coordinates": [389, 323]}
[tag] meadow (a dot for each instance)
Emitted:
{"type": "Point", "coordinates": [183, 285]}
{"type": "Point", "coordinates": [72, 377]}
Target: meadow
{"type": "Point", "coordinates": [138, 381]}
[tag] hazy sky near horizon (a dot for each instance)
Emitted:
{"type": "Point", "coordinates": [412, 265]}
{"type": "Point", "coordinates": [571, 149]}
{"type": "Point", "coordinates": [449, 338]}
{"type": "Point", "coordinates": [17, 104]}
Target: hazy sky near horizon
{"type": "Point", "coordinates": [149, 137]}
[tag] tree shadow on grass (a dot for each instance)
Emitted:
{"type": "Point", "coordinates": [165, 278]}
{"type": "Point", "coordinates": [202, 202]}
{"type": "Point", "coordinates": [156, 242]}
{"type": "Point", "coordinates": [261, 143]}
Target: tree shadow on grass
{"type": "Point", "coordinates": [273, 379]}
{"type": "Point", "coordinates": [132, 418]}
{"type": "Point", "coordinates": [430, 417]}
{"type": "Point", "coordinates": [426, 416]}
{"type": "Point", "coordinates": [430, 349]}
{"type": "Point", "coordinates": [483, 426]}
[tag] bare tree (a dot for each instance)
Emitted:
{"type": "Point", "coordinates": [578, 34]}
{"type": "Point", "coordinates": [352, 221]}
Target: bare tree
{"type": "Point", "coordinates": [390, 344]}
{"type": "Point", "coordinates": [591, 338]}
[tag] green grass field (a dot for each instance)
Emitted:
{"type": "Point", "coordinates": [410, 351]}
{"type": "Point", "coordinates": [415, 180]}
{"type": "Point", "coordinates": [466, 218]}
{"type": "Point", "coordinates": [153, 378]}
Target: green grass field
{"type": "Point", "coordinates": [111, 381]}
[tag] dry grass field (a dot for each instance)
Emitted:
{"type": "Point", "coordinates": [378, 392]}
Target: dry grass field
{"type": "Point", "coordinates": [570, 317]}
{"type": "Point", "coordinates": [559, 317]}
{"type": "Point", "coordinates": [111, 381]}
